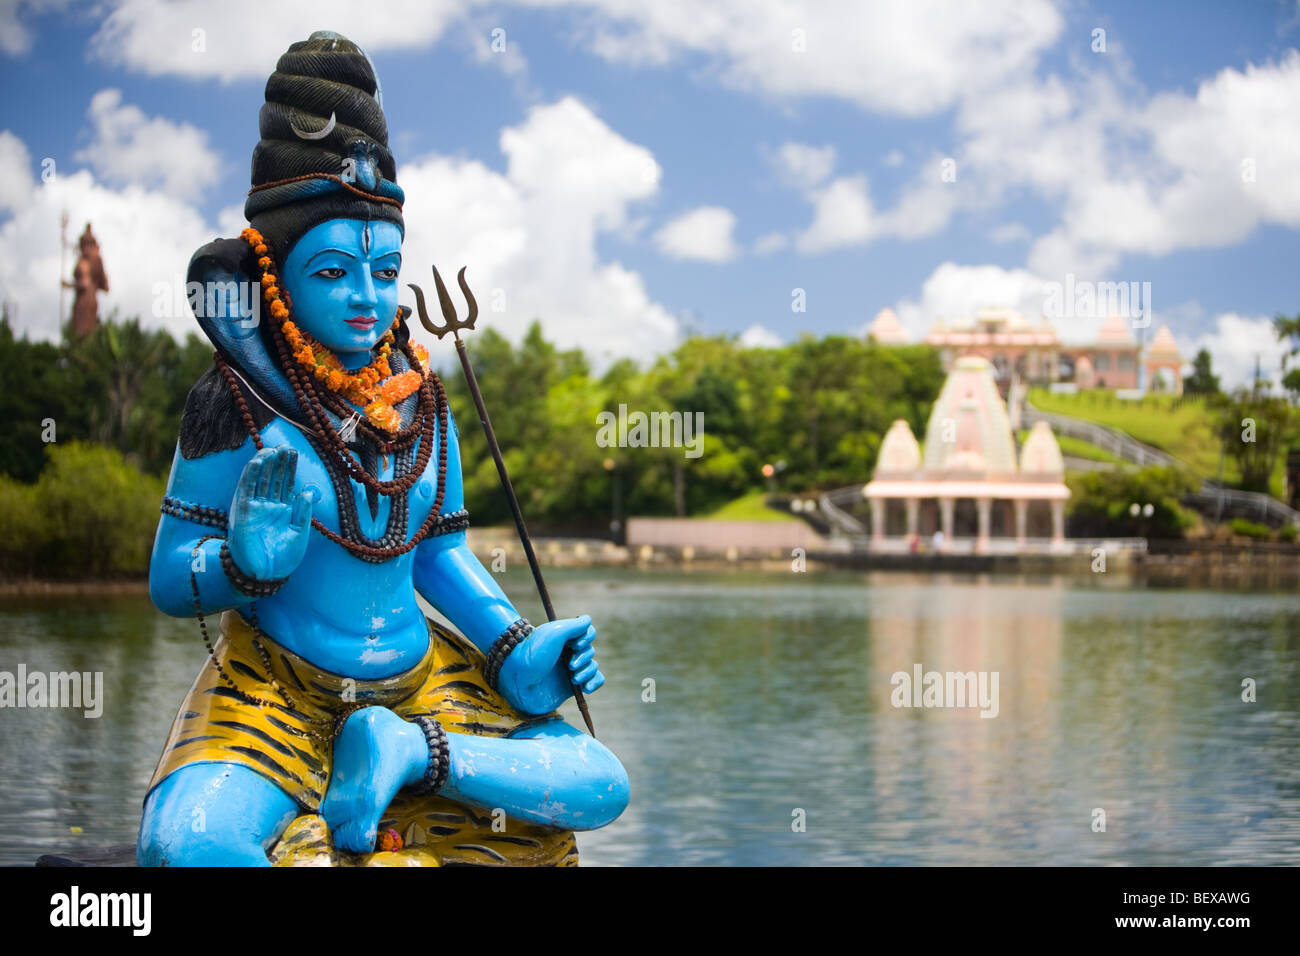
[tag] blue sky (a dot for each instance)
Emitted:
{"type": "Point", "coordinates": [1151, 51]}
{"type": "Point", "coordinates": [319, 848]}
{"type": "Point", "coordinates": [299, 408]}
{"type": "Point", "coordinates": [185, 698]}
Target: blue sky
{"type": "Point", "coordinates": [630, 175]}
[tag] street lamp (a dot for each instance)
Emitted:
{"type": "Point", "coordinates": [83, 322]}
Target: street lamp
{"type": "Point", "coordinates": [770, 471]}
{"type": "Point", "coordinates": [1144, 512]}
{"type": "Point", "coordinates": [615, 525]}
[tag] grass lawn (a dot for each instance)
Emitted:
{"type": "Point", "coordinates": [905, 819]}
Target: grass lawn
{"type": "Point", "coordinates": [750, 507]}
{"type": "Point", "coordinates": [1183, 428]}
{"type": "Point", "coordinates": [1074, 447]}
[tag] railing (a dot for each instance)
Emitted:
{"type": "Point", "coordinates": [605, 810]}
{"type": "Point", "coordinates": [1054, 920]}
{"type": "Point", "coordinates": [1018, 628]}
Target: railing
{"type": "Point", "coordinates": [1242, 504]}
{"type": "Point", "coordinates": [1213, 499]}
{"type": "Point", "coordinates": [842, 521]}
{"type": "Point", "coordinates": [1118, 443]}
{"type": "Point", "coordinates": [1073, 463]}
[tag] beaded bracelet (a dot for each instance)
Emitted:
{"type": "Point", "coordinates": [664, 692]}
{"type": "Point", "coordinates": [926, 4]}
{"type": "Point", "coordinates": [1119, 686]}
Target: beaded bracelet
{"type": "Point", "coordinates": [510, 638]}
{"type": "Point", "coordinates": [451, 522]}
{"type": "Point", "coordinates": [246, 583]}
{"type": "Point", "coordinates": [189, 511]}
{"type": "Point", "coordinates": [439, 766]}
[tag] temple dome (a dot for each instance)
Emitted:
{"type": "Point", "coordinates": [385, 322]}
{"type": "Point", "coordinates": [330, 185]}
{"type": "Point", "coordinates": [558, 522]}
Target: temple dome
{"type": "Point", "coordinates": [1115, 331]}
{"type": "Point", "coordinates": [899, 452]}
{"type": "Point", "coordinates": [886, 329]}
{"type": "Point", "coordinates": [968, 427]}
{"type": "Point", "coordinates": [1163, 346]}
{"type": "Point", "coordinates": [1041, 455]}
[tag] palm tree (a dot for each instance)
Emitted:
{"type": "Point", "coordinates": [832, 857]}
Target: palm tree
{"type": "Point", "coordinates": [121, 368]}
{"type": "Point", "coordinates": [1288, 329]}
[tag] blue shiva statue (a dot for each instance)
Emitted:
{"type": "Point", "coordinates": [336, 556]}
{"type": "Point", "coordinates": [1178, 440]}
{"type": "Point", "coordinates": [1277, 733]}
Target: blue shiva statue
{"type": "Point", "coordinates": [315, 490]}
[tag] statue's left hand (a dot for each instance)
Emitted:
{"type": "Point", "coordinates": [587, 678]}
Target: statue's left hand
{"type": "Point", "coordinates": [376, 754]}
{"type": "Point", "coordinates": [536, 679]}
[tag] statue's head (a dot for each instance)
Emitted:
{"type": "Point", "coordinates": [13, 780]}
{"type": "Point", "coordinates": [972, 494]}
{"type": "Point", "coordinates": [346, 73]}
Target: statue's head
{"type": "Point", "coordinates": [323, 194]}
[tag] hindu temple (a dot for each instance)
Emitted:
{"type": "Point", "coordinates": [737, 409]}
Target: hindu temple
{"type": "Point", "coordinates": [1034, 354]}
{"type": "Point", "coordinates": [968, 488]}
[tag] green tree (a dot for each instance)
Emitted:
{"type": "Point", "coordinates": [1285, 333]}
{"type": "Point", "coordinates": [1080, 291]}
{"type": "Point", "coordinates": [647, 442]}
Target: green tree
{"type": "Point", "coordinates": [1101, 502]}
{"type": "Point", "coordinates": [1202, 381]}
{"type": "Point", "coordinates": [91, 514]}
{"type": "Point", "coordinates": [1288, 331]}
{"type": "Point", "coordinates": [124, 372]}
{"type": "Point", "coordinates": [1255, 426]}
{"type": "Point", "coordinates": [34, 397]}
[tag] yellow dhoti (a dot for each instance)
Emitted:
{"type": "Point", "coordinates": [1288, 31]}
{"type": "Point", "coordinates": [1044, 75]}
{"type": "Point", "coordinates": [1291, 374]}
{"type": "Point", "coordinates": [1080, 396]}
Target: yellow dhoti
{"type": "Point", "coordinates": [287, 737]}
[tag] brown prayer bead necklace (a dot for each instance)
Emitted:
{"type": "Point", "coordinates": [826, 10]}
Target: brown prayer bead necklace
{"type": "Point", "coordinates": [432, 396]}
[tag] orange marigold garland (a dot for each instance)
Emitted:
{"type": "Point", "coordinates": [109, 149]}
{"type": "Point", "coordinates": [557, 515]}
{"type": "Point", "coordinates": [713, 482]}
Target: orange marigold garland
{"type": "Point", "coordinates": [374, 388]}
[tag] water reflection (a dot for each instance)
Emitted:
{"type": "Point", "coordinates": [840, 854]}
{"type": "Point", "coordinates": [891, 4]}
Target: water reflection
{"type": "Point", "coordinates": [772, 695]}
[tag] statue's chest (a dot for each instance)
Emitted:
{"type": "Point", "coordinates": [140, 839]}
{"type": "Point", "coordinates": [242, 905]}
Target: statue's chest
{"type": "Point", "coordinates": [345, 505]}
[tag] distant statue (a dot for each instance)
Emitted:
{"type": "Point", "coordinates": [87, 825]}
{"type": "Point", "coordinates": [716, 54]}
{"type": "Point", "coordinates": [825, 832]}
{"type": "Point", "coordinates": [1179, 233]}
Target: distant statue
{"type": "Point", "coordinates": [89, 280]}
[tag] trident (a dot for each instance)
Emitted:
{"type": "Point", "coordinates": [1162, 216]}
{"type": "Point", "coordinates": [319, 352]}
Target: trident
{"type": "Point", "coordinates": [454, 325]}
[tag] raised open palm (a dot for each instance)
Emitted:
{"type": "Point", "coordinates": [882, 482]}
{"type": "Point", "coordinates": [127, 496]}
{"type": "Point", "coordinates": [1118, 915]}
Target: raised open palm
{"type": "Point", "coordinates": [269, 524]}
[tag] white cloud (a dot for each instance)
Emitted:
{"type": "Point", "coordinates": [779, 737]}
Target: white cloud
{"type": "Point", "coordinates": [955, 292]}
{"type": "Point", "coordinates": [492, 44]}
{"type": "Point", "coordinates": [131, 149]}
{"type": "Point", "coordinates": [802, 166]}
{"type": "Point", "coordinates": [1123, 171]}
{"type": "Point", "coordinates": [702, 235]}
{"type": "Point", "coordinates": [15, 37]}
{"type": "Point", "coordinates": [1235, 344]}
{"type": "Point", "coordinates": [893, 158]}
{"type": "Point", "coordinates": [530, 235]}
{"type": "Point", "coordinates": [843, 211]}
{"type": "Point", "coordinates": [1139, 174]}
{"type": "Point", "coordinates": [243, 39]}
{"type": "Point", "coordinates": [1010, 232]}
{"type": "Point", "coordinates": [769, 243]}
{"type": "Point", "coordinates": [842, 216]}
{"type": "Point", "coordinates": [16, 181]}
{"type": "Point", "coordinates": [901, 57]}
{"type": "Point", "coordinates": [760, 337]}
{"type": "Point", "coordinates": [1059, 253]}
{"type": "Point", "coordinates": [924, 208]}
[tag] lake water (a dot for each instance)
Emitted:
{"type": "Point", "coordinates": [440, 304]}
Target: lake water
{"type": "Point", "coordinates": [772, 708]}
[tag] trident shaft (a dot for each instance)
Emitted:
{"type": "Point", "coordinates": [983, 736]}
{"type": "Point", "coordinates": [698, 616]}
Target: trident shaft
{"type": "Point", "coordinates": [453, 325]}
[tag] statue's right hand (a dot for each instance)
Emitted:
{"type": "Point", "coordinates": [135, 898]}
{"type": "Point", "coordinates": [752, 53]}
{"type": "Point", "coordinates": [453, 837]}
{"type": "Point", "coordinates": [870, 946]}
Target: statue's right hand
{"type": "Point", "coordinates": [269, 524]}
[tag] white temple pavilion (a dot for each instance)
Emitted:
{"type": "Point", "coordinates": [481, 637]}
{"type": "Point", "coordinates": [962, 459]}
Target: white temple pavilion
{"type": "Point", "coordinates": [967, 483]}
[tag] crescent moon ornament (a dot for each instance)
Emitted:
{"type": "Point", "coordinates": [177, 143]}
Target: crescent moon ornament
{"type": "Point", "coordinates": [319, 134]}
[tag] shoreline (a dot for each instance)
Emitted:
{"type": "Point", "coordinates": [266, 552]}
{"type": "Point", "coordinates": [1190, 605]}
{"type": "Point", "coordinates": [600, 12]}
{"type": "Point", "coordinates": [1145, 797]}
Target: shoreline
{"type": "Point", "coordinates": [1185, 564]}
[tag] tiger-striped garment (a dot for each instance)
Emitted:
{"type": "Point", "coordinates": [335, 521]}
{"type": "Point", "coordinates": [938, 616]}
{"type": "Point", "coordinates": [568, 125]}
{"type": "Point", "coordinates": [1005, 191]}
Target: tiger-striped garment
{"type": "Point", "coordinates": [287, 739]}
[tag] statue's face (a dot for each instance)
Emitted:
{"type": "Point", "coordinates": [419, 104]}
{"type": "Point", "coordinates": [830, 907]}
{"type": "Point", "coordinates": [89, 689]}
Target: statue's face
{"type": "Point", "coordinates": [341, 277]}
